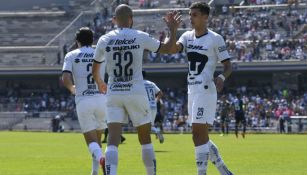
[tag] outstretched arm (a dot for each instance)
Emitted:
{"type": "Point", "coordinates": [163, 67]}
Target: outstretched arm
{"type": "Point", "coordinates": [173, 20]}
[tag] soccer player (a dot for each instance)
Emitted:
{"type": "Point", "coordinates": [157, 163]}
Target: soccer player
{"type": "Point", "coordinates": [239, 115]}
{"type": "Point", "coordinates": [90, 103]}
{"type": "Point", "coordinates": [122, 50]}
{"type": "Point", "coordinates": [204, 49]}
{"type": "Point", "coordinates": [154, 95]}
{"type": "Point", "coordinates": [225, 110]}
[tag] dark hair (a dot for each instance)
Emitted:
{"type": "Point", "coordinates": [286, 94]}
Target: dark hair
{"type": "Point", "coordinates": [85, 36]}
{"type": "Point", "coordinates": [144, 73]}
{"type": "Point", "coordinates": [202, 6]}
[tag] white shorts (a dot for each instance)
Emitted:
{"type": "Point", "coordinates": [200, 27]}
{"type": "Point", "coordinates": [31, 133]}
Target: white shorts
{"type": "Point", "coordinates": [119, 107]}
{"type": "Point", "coordinates": [153, 114]}
{"type": "Point", "coordinates": [202, 107]}
{"type": "Point", "coordinates": [91, 113]}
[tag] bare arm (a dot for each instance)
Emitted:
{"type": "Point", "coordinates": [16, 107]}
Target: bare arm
{"type": "Point", "coordinates": [227, 71]}
{"type": "Point", "coordinates": [102, 86]}
{"type": "Point", "coordinates": [159, 95]}
{"type": "Point", "coordinates": [68, 83]}
{"type": "Point", "coordinates": [227, 68]}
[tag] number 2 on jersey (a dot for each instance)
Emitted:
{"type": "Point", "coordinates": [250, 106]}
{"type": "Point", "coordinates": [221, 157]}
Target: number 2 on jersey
{"type": "Point", "coordinates": [122, 67]}
{"type": "Point", "coordinates": [90, 79]}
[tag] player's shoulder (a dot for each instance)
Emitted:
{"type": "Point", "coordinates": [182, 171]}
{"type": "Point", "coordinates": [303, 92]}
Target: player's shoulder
{"type": "Point", "coordinates": [106, 37]}
{"type": "Point", "coordinates": [189, 33]}
{"type": "Point", "coordinates": [214, 34]}
{"type": "Point", "coordinates": [149, 83]}
{"type": "Point", "coordinates": [72, 54]}
{"type": "Point", "coordinates": [139, 33]}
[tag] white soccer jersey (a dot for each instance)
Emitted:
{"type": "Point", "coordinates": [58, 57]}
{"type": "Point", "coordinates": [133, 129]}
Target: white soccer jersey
{"type": "Point", "coordinates": [122, 49]}
{"type": "Point", "coordinates": [152, 90]}
{"type": "Point", "coordinates": [203, 54]}
{"type": "Point", "coordinates": [79, 62]}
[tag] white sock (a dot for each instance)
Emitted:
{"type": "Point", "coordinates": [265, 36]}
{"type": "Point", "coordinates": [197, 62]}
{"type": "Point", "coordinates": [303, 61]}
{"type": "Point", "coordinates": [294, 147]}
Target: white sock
{"type": "Point", "coordinates": [95, 167]}
{"type": "Point", "coordinates": [217, 160]}
{"type": "Point", "coordinates": [154, 130]}
{"type": "Point", "coordinates": [111, 160]}
{"type": "Point", "coordinates": [149, 159]}
{"type": "Point", "coordinates": [95, 150]}
{"type": "Point", "coordinates": [202, 156]}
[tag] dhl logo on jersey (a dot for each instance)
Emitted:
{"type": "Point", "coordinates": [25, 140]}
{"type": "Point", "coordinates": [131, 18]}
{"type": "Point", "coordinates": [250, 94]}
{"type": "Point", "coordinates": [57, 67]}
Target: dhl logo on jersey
{"type": "Point", "coordinates": [196, 47]}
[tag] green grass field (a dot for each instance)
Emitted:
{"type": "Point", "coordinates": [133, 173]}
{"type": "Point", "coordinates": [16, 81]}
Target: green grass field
{"type": "Point", "coordinates": [34, 153]}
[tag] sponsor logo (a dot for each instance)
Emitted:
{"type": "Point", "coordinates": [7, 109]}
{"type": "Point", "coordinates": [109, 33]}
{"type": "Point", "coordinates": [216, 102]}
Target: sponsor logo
{"type": "Point", "coordinates": [124, 41]}
{"type": "Point", "coordinates": [87, 60]}
{"type": "Point", "coordinates": [86, 55]}
{"type": "Point", "coordinates": [111, 42]}
{"type": "Point", "coordinates": [200, 113]}
{"type": "Point", "coordinates": [222, 48]}
{"type": "Point", "coordinates": [90, 92]}
{"type": "Point", "coordinates": [80, 55]}
{"type": "Point", "coordinates": [195, 82]}
{"type": "Point", "coordinates": [196, 47]}
{"type": "Point", "coordinates": [120, 48]}
{"type": "Point", "coordinates": [121, 86]}
{"type": "Point", "coordinates": [108, 49]}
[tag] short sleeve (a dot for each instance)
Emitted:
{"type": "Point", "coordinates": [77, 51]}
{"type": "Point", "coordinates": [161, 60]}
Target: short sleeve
{"type": "Point", "coordinates": [100, 48]}
{"type": "Point", "coordinates": [183, 41]}
{"type": "Point", "coordinates": [157, 89]}
{"type": "Point", "coordinates": [67, 66]}
{"type": "Point", "coordinates": [151, 43]}
{"type": "Point", "coordinates": [221, 49]}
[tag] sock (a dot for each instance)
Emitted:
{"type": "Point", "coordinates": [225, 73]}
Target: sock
{"type": "Point", "coordinates": [95, 150]}
{"type": "Point", "coordinates": [154, 130]}
{"type": "Point", "coordinates": [149, 159]}
{"type": "Point", "coordinates": [95, 167]}
{"type": "Point", "coordinates": [217, 160]}
{"type": "Point", "coordinates": [111, 160]}
{"type": "Point", "coordinates": [202, 156]}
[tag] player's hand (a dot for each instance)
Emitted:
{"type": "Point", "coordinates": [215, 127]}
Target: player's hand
{"type": "Point", "coordinates": [102, 86]}
{"type": "Point", "coordinates": [219, 83]}
{"type": "Point", "coordinates": [172, 20]}
{"type": "Point", "coordinates": [73, 90]}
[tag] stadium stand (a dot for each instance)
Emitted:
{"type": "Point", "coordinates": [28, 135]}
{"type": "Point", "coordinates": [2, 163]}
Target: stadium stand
{"type": "Point", "coordinates": [9, 119]}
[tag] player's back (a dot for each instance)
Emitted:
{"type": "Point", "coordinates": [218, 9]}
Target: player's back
{"type": "Point", "coordinates": [123, 52]}
{"type": "Point", "coordinates": [81, 61]}
{"type": "Point", "coordinates": [152, 90]}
